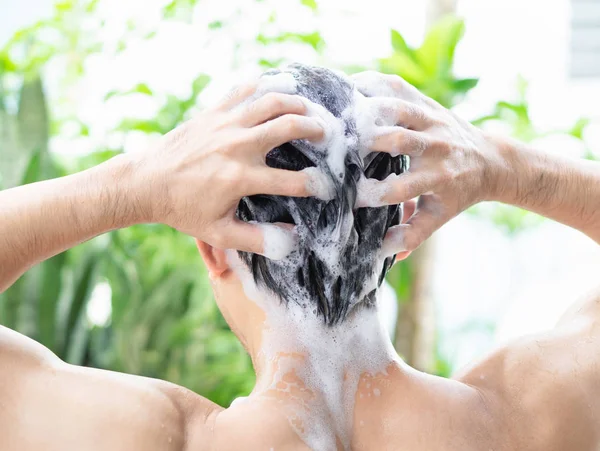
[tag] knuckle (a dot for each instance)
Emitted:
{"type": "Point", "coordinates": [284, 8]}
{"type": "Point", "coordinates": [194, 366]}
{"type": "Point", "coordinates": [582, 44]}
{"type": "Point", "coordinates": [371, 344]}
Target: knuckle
{"type": "Point", "coordinates": [291, 124]}
{"type": "Point", "coordinates": [236, 174]}
{"type": "Point", "coordinates": [400, 140]}
{"type": "Point", "coordinates": [300, 185]}
{"type": "Point", "coordinates": [396, 82]}
{"type": "Point", "coordinates": [275, 101]}
{"type": "Point", "coordinates": [232, 175]}
{"type": "Point", "coordinates": [447, 174]}
{"type": "Point", "coordinates": [444, 148]}
{"type": "Point", "coordinates": [233, 145]}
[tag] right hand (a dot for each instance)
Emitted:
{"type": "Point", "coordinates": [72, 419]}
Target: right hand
{"type": "Point", "coordinates": [453, 165]}
{"type": "Point", "coordinates": [195, 177]}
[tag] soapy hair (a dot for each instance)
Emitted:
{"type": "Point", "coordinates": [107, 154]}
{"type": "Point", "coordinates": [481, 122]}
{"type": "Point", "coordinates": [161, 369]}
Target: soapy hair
{"type": "Point", "coordinates": [337, 264]}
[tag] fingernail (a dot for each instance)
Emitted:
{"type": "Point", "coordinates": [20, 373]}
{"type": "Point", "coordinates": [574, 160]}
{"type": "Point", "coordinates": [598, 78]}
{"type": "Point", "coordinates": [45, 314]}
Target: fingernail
{"type": "Point", "coordinates": [278, 242]}
{"type": "Point", "coordinates": [318, 184]}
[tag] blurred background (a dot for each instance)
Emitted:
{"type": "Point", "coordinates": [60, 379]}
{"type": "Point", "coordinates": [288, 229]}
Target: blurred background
{"type": "Point", "coordinates": [83, 80]}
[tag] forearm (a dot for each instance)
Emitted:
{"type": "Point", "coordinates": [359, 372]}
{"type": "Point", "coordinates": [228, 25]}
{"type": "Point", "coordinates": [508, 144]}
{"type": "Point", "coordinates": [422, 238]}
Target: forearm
{"type": "Point", "coordinates": [564, 189]}
{"type": "Point", "coordinates": [40, 220]}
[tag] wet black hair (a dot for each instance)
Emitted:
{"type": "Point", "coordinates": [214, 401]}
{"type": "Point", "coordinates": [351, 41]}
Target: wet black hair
{"type": "Point", "coordinates": [331, 289]}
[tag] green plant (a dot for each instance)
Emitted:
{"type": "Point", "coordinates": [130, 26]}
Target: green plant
{"type": "Point", "coordinates": [48, 303]}
{"type": "Point", "coordinates": [430, 67]}
{"type": "Point", "coordinates": [163, 320]}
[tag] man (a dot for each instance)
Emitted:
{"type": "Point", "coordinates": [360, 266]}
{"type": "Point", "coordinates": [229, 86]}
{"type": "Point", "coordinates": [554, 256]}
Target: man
{"type": "Point", "coordinates": [326, 376]}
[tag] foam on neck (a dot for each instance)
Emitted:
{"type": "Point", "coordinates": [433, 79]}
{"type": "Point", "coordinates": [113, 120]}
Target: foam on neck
{"type": "Point", "coordinates": [334, 358]}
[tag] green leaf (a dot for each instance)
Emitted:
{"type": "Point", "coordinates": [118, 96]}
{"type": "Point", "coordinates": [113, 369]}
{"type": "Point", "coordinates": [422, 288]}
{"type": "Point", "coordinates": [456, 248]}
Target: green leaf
{"type": "Point", "coordinates": [141, 88]}
{"type": "Point", "coordinates": [199, 84]}
{"type": "Point", "coordinates": [269, 64]}
{"type": "Point", "coordinates": [401, 64]}
{"type": "Point", "coordinates": [73, 303]}
{"type": "Point", "coordinates": [312, 4]}
{"type": "Point", "coordinates": [181, 10]}
{"type": "Point", "coordinates": [464, 85]}
{"type": "Point", "coordinates": [33, 121]}
{"type": "Point", "coordinates": [215, 25]}
{"type": "Point", "coordinates": [579, 127]}
{"type": "Point", "coordinates": [436, 54]}
{"type": "Point", "coordinates": [399, 44]}
{"type": "Point", "coordinates": [483, 119]}
{"type": "Point", "coordinates": [315, 40]}
{"type": "Point", "coordinates": [146, 126]}
{"type": "Point", "coordinates": [12, 159]}
{"type": "Point", "coordinates": [51, 286]}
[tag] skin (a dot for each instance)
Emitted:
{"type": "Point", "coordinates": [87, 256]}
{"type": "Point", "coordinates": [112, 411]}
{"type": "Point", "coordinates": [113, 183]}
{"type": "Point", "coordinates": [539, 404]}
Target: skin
{"type": "Point", "coordinates": [538, 393]}
{"type": "Point", "coordinates": [192, 180]}
{"type": "Point", "coordinates": [454, 165]}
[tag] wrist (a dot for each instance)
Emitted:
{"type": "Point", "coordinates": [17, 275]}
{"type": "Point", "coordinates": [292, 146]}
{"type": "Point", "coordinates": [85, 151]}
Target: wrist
{"type": "Point", "coordinates": [123, 194]}
{"type": "Point", "coordinates": [507, 175]}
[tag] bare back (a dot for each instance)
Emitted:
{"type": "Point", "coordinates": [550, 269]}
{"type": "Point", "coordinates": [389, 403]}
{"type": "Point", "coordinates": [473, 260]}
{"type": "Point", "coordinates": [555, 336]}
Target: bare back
{"type": "Point", "coordinates": [539, 393]}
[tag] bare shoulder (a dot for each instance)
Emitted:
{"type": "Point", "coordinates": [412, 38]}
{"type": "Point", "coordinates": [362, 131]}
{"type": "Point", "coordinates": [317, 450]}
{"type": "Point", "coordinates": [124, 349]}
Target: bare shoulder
{"type": "Point", "coordinates": [48, 404]}
{"type": "Point", "coordinates": [257, 423]}
{"type": "Point", "coordinates": [545, 388]}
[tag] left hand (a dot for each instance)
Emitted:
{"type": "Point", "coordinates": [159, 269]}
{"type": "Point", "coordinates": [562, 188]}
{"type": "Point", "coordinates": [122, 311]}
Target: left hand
{"type": "Point", "coordinates": [453, 165]}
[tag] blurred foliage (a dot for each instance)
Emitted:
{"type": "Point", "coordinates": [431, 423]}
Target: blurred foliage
{"type": "Point", "coordinates": [162, 320]}
{"type": "Point", "coordinates": [430, 66]}
{"type": "Point", "coordinates": [516, 116]}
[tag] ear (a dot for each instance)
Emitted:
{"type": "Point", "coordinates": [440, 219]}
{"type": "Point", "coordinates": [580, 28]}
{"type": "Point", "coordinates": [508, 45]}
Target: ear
{"type": "Point", "coordinates": [214, 259]}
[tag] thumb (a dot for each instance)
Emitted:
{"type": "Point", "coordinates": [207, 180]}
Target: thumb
{"type": "Point", "coordinates": [274, 241]}
{"type": "Point", "coordinates": [419, 227]}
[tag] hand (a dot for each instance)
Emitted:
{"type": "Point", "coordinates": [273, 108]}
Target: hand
{"type": "Point", "coordinates": [194, 179]}
{"type": "Point", "coordinates": [453, 165]}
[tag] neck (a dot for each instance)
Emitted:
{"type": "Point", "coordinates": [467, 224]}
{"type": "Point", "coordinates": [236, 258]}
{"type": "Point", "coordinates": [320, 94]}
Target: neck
{"type": "Point", "coordinates": [316, 369]}
{"type": "Point", "coordinates": [310, 369]}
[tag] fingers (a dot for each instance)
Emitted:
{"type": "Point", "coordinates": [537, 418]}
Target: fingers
{"type": "Point", "coordinates": [395, 189]}
{"type": "Point", "coordinates": [270, 106]}
{"type": "Point", "coordinates": [282, 82]}
{"type": "Point", "coordinates": [271, 240]}
{"type": "Point", "coordinates": [407, 237]}
{"type": "Point", "coordinates": [238, 95]}
{"type": "Point", "coordinates": [288, 128]}
{"type": "Point", "coordinates": [408, 209]}
{"type": "Point", "coordinates": [375, 84]}
{"type": "Point", "coordinates": [400, 112]}
{"type": "Point", "coordinates": [401, 141]}
{"type": "Point", "coordinates": [280, 182]}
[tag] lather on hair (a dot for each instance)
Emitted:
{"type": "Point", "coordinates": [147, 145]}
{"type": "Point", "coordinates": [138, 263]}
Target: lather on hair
{"type": "Point", "coordinates": [338, 252]}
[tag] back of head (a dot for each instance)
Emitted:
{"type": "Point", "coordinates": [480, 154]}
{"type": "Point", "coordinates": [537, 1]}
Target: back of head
{"type": "Point", "coordinates": [337, 265]}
